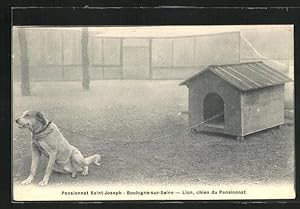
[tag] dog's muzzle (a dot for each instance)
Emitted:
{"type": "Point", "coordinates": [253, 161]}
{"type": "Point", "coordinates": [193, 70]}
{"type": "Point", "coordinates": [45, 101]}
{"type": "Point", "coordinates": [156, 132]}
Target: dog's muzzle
{"type": "Point", "coordinates": [20, 125]}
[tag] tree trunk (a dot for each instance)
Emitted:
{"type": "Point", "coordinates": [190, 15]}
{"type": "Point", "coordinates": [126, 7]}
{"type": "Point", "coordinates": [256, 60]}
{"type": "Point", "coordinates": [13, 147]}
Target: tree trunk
{"type": "Point", "coordinates": [25, 83]}
{"type": "Point", "coordinates": [85, 59]}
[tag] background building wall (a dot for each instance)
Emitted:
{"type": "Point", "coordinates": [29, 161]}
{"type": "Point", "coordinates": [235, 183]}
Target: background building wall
{"type": "Point", "coordinates": [179, 58]}
{"type": "Point", "coordinates": [170, 58]}
{"type": "Point", "coordinates": [136, 58]}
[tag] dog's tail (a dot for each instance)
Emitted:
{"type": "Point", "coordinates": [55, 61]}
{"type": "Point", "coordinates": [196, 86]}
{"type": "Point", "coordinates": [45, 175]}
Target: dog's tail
{"type": "Point", "coordinates": [93, 159]}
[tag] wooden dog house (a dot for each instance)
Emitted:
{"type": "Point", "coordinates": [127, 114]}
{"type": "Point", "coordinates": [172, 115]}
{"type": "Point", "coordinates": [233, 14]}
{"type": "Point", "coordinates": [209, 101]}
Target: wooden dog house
{"type": "Point", "coordinates": [236, 99]}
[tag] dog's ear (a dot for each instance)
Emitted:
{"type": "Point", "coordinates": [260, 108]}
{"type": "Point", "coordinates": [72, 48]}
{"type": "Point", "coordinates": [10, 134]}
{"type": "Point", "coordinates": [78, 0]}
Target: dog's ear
{"type": "Point", "coordinates": [40, 118]}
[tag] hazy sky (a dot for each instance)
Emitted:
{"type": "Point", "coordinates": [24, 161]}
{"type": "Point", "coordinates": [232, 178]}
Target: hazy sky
{"type": "Point", "coordinates": [166, 31]}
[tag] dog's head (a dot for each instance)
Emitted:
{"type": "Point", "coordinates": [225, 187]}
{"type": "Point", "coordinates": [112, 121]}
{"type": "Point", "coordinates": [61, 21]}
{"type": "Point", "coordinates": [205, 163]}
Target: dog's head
{"type": "Point", "coordinates": [31, 119]}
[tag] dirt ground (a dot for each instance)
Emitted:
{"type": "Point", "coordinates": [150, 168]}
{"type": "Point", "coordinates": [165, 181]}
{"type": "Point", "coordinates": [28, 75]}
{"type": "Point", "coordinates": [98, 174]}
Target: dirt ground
{"type": "Point", "coordinates": [125, 116]}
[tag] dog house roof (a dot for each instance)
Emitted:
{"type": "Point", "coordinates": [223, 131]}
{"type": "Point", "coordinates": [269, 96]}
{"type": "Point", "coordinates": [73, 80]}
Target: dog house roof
{"type": "Point", "coordinates": [245, 76]}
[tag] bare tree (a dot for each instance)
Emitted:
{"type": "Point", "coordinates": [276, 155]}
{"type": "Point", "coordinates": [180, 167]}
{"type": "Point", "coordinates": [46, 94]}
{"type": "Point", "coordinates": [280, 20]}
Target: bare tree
{"type": "Point", "coordinates": [85, 58]}
{"type": "Point", "coordinates": [25, 83]}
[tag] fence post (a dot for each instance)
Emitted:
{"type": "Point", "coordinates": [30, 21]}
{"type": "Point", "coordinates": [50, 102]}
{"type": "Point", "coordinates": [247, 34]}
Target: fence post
{"type": "Point", "coordinates": [85, 58]}
{"type": "Point", "coordinates": [25, 82]}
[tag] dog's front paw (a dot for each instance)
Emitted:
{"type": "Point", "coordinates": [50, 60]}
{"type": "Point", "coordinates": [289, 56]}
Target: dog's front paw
{"type": "Point", "coordinates": [85, 171]}
{"type": "Point", "coordinates": [73, 175]}
{"type": "Point", "coordinates": [44, 182]}
{"type": "Point", "coordinates": [27, 181]}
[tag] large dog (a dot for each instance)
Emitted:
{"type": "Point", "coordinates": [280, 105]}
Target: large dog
{"type": "Point", "coordinates": [48, 140]}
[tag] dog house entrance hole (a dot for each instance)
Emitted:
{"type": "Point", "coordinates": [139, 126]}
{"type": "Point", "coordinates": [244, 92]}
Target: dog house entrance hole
{"type": "Point", "coordinates": [213, 110]}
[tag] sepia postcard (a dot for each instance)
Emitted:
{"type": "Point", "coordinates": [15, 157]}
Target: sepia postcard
{"type": "Point", "coordinates": [153, 113]}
